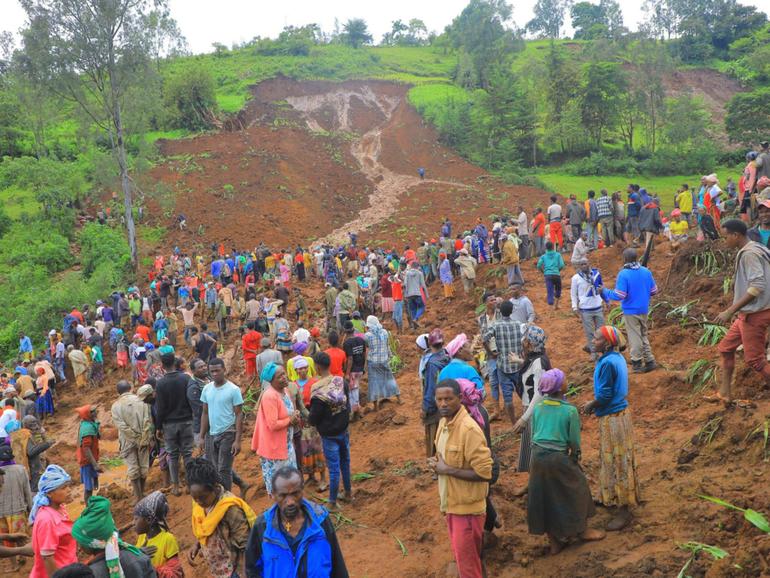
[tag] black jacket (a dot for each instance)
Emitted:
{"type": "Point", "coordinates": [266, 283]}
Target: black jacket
{"type": "Point", "coordinates": [171, 401]}
{"type": "Point", "coordinates": [325, 421]}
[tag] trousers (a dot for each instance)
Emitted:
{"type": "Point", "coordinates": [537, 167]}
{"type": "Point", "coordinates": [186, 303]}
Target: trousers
{"type": "Point", "coordinates": [592, 320]}
{"type": "Point", "coordinates": [337, 454]}
{"type": "Point", "coordinates": [178, 439]}
{"type": "Point", "coordinates": [465, 535]}
{"type": "Point", "coordinates": [218, 451]}
{"type": "Point", "coordinates": [638, 338]}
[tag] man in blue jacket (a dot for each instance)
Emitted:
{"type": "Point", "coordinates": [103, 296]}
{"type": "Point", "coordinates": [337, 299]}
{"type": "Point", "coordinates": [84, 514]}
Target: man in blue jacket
{"type": "Point", "coordinates": [633, 288]}
{"type": "Point", "coordinates": [295, 537]}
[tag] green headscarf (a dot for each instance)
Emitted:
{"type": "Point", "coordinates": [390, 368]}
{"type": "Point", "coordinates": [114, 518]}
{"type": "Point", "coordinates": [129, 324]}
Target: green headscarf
{"type": "Point", "coordinates": [95, 529]}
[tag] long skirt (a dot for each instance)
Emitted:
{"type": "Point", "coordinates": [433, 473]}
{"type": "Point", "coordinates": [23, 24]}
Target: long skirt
{"type": "Point", "coordinates": [44, 404]}
{"type": "Point", "coordinates": [312, 453]}
{"type": "Point", "coordinates": [618, 482]}
{"type": "Point", "coordinates": [382, 384]}
{"type": "Point", "coordinates": [141, 371]}
{"type": "Point", "coordinates": [559, 500]}
{"type": "Point", "coordinates": [525, 449]}
{"type": "Point", "coordinates": [387, 304]}
{"type": "Point", "coordinates": [301, 271]}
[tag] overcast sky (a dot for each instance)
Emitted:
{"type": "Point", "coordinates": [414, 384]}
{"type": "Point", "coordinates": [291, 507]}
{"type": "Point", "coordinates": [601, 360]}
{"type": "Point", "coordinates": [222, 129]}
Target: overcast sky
{"type": "Point", "coordinates": [227, 21]}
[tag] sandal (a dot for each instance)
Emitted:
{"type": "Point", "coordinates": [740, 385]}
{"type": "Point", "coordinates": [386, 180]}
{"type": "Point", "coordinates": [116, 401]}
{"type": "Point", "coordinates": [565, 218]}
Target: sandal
{"type": "Point", "coordinates": [717, 397]}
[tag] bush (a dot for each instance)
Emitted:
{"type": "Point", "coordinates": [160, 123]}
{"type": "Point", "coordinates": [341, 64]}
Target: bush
{"type": "Point", "coordinates": [599, 164]}
{"type": "Point", "coordinates": [35, 245]}
{"type": "Point", "coordinates": [667, 161]}
{"type": "Point", "coordinates": [190, 99]}
{"type": "Point", "coordinates": [100, 244]}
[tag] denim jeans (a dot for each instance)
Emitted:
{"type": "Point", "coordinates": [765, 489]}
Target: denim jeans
{"type": "Point", "coordinates": [416, 307]}
{"type": "Point", "coordinates": [494, 383]}
{"type": "Point", "coordinates": [178, 439]}
{"type": "Point", "coordinates": [539, 245]}
{"type": "Point", "coordinates": [218, 453]}
{"type": "Point", "coordinates": [337, 454]}
{"type": "Point", "coordinates": [593, 237]}
{"type": "Point", "coordinates": [508, 383]}
{"type": "Point", "coordinates": [398, 313]}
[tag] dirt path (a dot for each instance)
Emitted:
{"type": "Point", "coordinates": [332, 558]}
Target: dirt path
{"type": "Point", "coordinates": [389, 185]}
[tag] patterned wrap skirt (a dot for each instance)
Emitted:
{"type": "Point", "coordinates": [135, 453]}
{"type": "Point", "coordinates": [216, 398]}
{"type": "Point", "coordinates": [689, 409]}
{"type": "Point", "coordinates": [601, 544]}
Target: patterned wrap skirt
{"type": "Point", "coordinates": [618, 482]}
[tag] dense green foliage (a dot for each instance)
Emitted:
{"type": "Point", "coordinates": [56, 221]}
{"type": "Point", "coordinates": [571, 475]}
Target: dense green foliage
{"type": "Point", "coordinates": [190, 99]}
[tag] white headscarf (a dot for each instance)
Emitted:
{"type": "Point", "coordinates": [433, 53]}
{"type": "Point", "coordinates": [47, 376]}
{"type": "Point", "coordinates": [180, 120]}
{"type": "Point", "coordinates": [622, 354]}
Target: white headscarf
{"type": "Point", "coordinates": [373, 323]}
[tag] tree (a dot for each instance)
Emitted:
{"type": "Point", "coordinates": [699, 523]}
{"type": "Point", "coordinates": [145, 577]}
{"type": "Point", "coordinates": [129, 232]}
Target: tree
{"type": "Point", "coordinates": [748, 116]}
{"type": "Point", "coordinates": [508, 129]}
{"type": "Point", "coordinates": [190, 98]}
{"type": "Point", "coordinates": [355, 33]}
{"type": "Point", "coordinates": [603, 20]}
{"type": "Point", "coordinates": [651, 61]}
{"type": "Point", "coordinates": [561, 88]}
{"type": "Point", "coordinates": [397, 30]}
{"type": "Point", "coordinates": [480, 31]}
{"type": "Point", "coordinates": [686, 121]}
{"type": "Point", "coordinates": [549, 18]}
{"type": "Point", "coordinates": [603, 85]}
{"type": "Point", "coordinates": [91, 52]}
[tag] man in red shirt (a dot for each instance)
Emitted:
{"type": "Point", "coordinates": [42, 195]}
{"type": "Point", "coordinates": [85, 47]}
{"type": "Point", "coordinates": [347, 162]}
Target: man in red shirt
{"type": "Point", "coordinates": [251, 343]}
{"type": "Point", "coordinates": [143, 331]}
{"type": "Point", "coordinates": [336, 355]}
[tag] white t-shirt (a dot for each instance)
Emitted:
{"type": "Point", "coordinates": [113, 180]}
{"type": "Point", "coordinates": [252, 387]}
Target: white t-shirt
{"type": "Point", "coordinates": [554, 212]}
{"type": "Point", "coordinates": [301, 335]}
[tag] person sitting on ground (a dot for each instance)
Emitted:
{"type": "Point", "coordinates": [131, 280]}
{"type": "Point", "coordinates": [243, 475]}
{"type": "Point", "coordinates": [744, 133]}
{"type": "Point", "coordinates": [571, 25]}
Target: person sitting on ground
{"type": "Point", "coordinates": [220, 521]}
{"type": "Point", "coordinates": [152, 535]}
{"type": "Point", "coordinates": [677, 229]}
{"type": "Point", "coordinates": [559, 501]}
{"type": "Point", "coordinates": [294, 537]}
{"type": "Point", "coordinates": [97, 536]}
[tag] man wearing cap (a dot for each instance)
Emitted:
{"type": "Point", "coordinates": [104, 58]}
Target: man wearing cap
{"type": "Point", "coordinates": [760, 233]}
{"type": "Point", "coordinates": [435, 361]}
{"type": "Point", "coordinates": [467, 267]}
{"type": "Point", "coordinates": [587, 301]}
{"type": "Point", "coordinates": [133, 419]}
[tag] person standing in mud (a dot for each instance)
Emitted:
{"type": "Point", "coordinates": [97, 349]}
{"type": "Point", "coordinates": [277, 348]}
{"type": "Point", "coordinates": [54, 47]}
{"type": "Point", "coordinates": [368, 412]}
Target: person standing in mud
{"type": "Point", "coordinates": [463, 464]}
{"type": "Point", "coordinates": [618, 482]}
{"type": "Point", "coordinates": [634, 287]}
{"type": "Point", "coordinates": [751, 305]}
{"type": "Point", "coordinates": [133, 419]}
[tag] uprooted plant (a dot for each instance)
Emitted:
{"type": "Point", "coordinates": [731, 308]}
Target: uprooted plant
{"type": "Point", "coordinates": [755, 518]}
{"type": "Point", "coordinates": [696, 548]}
{"type": "Point", "coordinates": [700, 374]}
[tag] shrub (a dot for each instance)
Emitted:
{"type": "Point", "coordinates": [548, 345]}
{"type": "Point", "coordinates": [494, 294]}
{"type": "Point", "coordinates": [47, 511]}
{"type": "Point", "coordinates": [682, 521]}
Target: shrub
{"type": "Point", "coordinates": [36, 246]}
{"type": "Point", "coordinates": [100, 244]}
{"type": "Point", "coordinates": [190, 99]}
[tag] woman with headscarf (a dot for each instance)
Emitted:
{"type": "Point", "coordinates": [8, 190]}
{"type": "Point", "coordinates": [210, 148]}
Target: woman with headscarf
{"type": "Point", "coordinates": [310, 455]}
{"type": "Point", "coordinates": [618, 482]}
{"type": "Point", "coordinates": [536, 363]}
{"type": "Point", "coordinates": [52, 538]}
{"type": "Point", "coordinates": [382, 384]}
{"type": "Point", "coordinates": [15, 497]}
{"type": "Point", "coordinates": [152, 531]}
{"type": "Point", "coordinates": [559, 502]}
{"type": "Point", "coordinates": [274, 428]}
{"type": "Point", "coordinates": [459, 367]}
{"type": "Point", "coordinates": [299, 348]}
{"type": "Point", "coordinates": [139, 357]}
{"type": "Point", "coordinates": [281, 333]}
{"type": "Point", "coordinates": [97, 536]}
{"type": "Point", "coordinates": [44, 403]}
{"type": "Point", "coordinates": [154, 365]}
{"type": "Point", "coordinates": [712, 199]}
{"type": "Point", "coordinates": [160, 327]}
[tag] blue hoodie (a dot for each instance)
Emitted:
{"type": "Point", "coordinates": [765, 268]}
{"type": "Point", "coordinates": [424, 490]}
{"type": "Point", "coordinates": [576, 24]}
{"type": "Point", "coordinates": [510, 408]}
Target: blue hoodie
{"type": "Point", "coordinates": [633, 288]}
{"type": "Point", "coordinates": [610, 384]}
{"type": "Point", "coordinates": [315, 552]}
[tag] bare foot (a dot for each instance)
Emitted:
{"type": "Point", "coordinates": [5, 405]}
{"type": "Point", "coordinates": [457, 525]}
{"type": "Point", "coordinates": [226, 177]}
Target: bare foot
{"type": "Point", "coordinates": [592, 535]}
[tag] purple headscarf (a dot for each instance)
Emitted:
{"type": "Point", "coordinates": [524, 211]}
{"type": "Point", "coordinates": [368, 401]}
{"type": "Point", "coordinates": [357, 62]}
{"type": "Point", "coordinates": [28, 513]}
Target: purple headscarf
{"type": "Point", "coordinates": [551, 382]}
{"type": "Point", "coordinates": [300, 347]}
{"type": "Point", "coordinates": [470, 397]}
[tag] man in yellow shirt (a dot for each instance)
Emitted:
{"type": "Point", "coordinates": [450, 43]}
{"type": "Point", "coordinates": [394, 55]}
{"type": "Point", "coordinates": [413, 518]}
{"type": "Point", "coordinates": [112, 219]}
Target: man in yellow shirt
{"type": "Point", "coordinates": [677, 229]}
{"type": "Point", "coordinates": [684, 203]}
{"type": "Point", "coordinates": [463, 463]}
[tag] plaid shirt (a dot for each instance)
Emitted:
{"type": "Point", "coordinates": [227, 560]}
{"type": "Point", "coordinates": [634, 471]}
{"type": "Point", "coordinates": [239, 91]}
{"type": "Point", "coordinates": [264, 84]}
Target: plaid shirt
{"type": "Point", "coordinates": [507, 334]}
{"type": "Point", "coordinates": [378, 349]}
{"type": "Point", "coordinates": [604, 207]}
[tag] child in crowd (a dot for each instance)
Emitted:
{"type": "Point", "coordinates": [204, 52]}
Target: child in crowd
{"type": "Point", "coordinates": [152, 531]}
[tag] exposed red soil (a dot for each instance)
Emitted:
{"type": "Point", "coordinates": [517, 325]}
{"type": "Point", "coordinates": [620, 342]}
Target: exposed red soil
{"type": "Point", "coordinates": [401, 500]}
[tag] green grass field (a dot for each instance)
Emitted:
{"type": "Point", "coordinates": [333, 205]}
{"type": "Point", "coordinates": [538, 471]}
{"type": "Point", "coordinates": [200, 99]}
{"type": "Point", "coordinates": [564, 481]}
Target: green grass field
{"type": "Point", "coordinates": [17, 201]}
{"type": "Point", "coordinates": [666, 187]}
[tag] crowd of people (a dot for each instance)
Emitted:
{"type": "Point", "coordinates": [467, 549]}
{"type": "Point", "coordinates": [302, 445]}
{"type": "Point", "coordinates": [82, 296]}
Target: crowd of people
{"type": "Point", "coordinates": [305, 372]}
